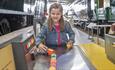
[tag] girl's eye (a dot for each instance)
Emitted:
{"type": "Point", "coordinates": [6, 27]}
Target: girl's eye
{"type": "Point", "coordinates": [53, 13]}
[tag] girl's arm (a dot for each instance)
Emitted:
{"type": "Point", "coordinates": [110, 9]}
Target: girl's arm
{"type": "Point", "coordinates": [70, 32]}
{"type": "Point", "coordinates": [71, 36]}
{"type": "Point", "coordinates": [41, 48]}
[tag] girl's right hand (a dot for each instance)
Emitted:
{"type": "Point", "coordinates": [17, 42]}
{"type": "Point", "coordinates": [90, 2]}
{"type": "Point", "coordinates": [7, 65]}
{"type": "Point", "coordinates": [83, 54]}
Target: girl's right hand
{"type": "Point", "coordinates": [42, 48]}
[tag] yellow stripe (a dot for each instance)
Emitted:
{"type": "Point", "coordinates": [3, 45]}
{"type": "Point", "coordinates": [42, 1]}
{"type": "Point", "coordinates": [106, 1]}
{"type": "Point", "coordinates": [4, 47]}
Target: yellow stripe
{"type": "Point", "coordinates": [96, 54]}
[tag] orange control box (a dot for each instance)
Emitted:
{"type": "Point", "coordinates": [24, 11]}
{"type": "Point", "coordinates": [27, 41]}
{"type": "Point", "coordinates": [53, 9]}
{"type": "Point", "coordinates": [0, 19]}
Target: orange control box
{"type": "Point", "coordinates": [50, 51]}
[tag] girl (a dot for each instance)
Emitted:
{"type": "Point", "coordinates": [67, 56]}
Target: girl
{"type": "Point", "coordinates": [56, 31]}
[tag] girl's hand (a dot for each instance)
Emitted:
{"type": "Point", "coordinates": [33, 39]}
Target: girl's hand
{"type": "Point", "coordinates": [69, 44]}
{"type": "Point", "coordinates": [42, 48]}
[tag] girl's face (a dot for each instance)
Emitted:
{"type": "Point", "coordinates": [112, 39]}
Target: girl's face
{"type": "Point", "coordinates": [55, 15]}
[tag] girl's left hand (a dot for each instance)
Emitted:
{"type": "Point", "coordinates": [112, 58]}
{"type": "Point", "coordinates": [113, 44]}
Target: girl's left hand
{"type": "Point", "coordinates": [69, 44]}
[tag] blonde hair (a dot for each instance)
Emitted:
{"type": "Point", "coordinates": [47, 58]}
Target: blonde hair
{"type": "Point", "coordinates": [61, 21]}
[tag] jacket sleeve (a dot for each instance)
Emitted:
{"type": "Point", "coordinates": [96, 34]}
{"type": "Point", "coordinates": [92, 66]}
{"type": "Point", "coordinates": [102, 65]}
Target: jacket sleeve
{"type": "Point", "coordinates": [70, 32]}
{"type": "Point", "coordinates": [42, 35]}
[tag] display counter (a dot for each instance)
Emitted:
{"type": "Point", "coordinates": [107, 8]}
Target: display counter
{"type": "Point", "coordinates": [110, 47]}
{"type": "Point", "coordinates": [22, 49]}
{"type": "Point", "coordinates": [13, 49]}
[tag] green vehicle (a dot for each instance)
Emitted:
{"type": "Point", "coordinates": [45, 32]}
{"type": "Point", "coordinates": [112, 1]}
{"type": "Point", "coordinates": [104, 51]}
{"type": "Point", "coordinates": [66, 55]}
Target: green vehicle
{"type": "Point", "coordinates": [104, 11]}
